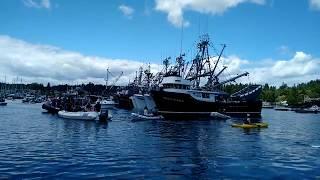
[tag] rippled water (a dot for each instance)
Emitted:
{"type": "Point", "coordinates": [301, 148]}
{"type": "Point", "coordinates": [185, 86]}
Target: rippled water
{"type": "Point", "coordinates": [35, 144]}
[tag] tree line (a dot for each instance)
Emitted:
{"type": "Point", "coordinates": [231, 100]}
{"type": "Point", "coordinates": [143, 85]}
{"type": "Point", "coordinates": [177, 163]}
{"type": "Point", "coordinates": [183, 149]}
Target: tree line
{"type": "Point", "coordinates": [292, 94]}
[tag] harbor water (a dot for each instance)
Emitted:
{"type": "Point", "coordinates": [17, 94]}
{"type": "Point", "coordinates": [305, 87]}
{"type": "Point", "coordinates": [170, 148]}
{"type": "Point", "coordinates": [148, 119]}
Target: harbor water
{"type": "Point", "coordinates": [34, 144]}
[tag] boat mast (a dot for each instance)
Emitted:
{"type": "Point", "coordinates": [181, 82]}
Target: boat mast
{"type": "Point", "coordinates": [201, 63]}
{"type": "Point", "coordinates": [224, 46]}
{"type": "Point", "coordinates": [148, 77]}
{"type": "Point", "coordinates": [140, 75]}
{"type": "Point", "coordinates": [180, 64]}
{"type": "Point", "coordinates": [166, 63]}
{"type": "Point", "coordinates": [213, 79]}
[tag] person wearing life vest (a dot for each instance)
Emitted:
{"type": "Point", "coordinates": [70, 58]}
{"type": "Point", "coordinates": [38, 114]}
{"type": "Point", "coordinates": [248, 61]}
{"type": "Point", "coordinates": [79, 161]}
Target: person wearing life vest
{"type": "Point", "coordinates": [145, 111]}
{"type": "Point", "coordinates": [248, 120]}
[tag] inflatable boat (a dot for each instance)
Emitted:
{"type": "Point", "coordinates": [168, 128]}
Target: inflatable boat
{"type": "Point", "coordinates": [89, 116]}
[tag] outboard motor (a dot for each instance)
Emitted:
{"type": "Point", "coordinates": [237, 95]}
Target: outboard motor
{"type": "Point", "coordinates": [103, 117]}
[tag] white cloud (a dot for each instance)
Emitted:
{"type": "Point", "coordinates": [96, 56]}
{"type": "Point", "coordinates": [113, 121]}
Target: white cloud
{"type": "Point", "coordinates": [301, 64]}
{"type": "Point", "coordinates": [37, 3]}
{"type": "Point", "coordinates": [176, 8]}
{"type": "Point", "coordinates": [301, 68]}
{"type": "Point", "coordinates": [42, 63]}
{"type": "Point", "coordinates": [315, 4]}
{"type": "Point", "coordinates": [126, 10]}
{"type": "Point", "coordinates": [284, 50]}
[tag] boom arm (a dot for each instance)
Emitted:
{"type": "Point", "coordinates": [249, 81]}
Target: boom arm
{"type": "Point", "coordinates": [115, 81]}
{"type": "Point", "coordinates": [215, 66]}
{"type": "Point", "coordinates": [232, 79]}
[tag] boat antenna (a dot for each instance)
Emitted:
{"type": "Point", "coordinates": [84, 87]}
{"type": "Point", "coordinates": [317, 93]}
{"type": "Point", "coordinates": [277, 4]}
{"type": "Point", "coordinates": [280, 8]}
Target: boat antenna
{"type": "Point", "coordinates": [199, 25]}
{"type": "Point", "coordinates": [181, 38]}
{"type": "Point", "coordinates": [207, 24]}
{"type": "Point", "coordinates": [5, 83]}
{"type": "Point", "coordinates": [107, 78]}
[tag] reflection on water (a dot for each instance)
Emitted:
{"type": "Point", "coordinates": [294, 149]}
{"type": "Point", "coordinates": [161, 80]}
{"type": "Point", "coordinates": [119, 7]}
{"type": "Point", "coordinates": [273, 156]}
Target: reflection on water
{"type": "Point", "coordinates": [35, 144]}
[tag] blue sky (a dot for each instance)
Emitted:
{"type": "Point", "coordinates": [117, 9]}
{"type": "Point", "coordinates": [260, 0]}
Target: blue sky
{"type": "Point", "coordinates": [254, 30]}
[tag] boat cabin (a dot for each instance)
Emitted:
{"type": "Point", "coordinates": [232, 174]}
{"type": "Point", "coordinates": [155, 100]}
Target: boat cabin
{"type": "Point", "coordinates": [175, 82]}
{"type": "Point", "coordinates": [179, 85]}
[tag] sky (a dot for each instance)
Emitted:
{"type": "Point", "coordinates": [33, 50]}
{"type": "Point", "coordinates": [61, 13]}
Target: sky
{"type": "Point", "coordinates": [61, 41]}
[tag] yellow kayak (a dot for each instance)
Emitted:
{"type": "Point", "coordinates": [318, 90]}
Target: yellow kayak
{"type": "Point", "coordinates": [253, 125]}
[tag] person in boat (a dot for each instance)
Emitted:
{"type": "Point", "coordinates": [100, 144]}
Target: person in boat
{"type": "Point", "coordinates": [77, 108]}
{"type": "Point", "coordinates": [248, 120]}
{"type": "Point", "coordinates": [88, 107]}
{"type": "Point", "coordinates": [97, 107]}
{"type": "Point", "coordinates": [69, 106]}
{"type": "Point", "coordinates": [145, 111]}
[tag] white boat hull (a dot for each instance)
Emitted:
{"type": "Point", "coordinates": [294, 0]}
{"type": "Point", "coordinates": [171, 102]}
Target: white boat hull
{"type": "Point", "coordinates": [89, 116]}
{"type": "Point", "coordinates": [140, 102]}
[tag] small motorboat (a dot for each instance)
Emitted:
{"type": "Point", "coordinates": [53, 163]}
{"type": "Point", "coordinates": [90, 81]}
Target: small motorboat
{"type": "Point", "coordinates": [89, 116]}
{"type": "Point", "coordinates": [146, 117]}
{"type": "Point", "coordinates": [50, 108]}
{"type": "Point", "coordinates": [267, 105]}
{"type": "Point", "coordinates": [107, 104]}
{"type": "Point", "coordinates": [3, 102]}
{"type": "Point", "coordinates": [104, 115]}
{"type": "Point", "coordinates": [280, 108]}
{"type": "Point", "coordinates": [251, 125]}
{"type": "Point", "coordinates": [313, 109]}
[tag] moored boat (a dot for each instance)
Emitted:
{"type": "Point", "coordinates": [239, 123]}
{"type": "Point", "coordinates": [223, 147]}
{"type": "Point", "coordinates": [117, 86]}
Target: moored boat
{"type": "Point", "coordinates": [50, 108]}
{"type": "Point", "coordinates": [3, 102]}
{"type": "Point", "coordinates": [313, 109]}
{"type": "Point", "coordinates": [267, 105]}
{"type": "Point", "coordinates": [78, 115]}
{"type": "Point", "coordinates": [281, 108]}
{"type": "Point", "coordinates": [108, 104]}
{"type": "Point", "coordinates": [182, 95]}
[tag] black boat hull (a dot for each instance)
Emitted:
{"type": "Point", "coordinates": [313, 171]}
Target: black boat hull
{"type": "Point", "coordinates": [171, 104]}
{"type": "Point", "coordinates": [124, 102]}
{"type": "Point", "coordinates": [51, 109]}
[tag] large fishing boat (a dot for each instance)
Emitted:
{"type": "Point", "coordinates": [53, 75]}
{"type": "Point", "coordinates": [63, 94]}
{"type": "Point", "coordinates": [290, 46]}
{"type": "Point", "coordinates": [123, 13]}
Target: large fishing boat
{"type": "Point", "coordinates": [181, 93]}
{"type": "Point", "coordinates": [140, 85]}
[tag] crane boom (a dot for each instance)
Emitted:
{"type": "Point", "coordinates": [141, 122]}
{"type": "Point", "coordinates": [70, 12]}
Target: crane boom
{"type": "Point", "coordinates": [215, 66]}
{"type": "Point", "coordinates": [115, 81]}
{"type": "Point", "coordinates": [231, 79]}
